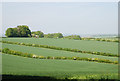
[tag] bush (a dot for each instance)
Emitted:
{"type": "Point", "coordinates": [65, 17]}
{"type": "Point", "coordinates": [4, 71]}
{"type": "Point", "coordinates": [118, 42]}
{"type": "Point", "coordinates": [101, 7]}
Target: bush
{"type": "Point", "coordinates": [42, 57]}
{"type": "Point", "coordinates": [57, 57]}
{"type": "Point", "coordinates": [115, 62]}
{"type": "Point", "coordinates": [63, 58]}
{"type": "Point", "coordinates": [49, 57]}
{"type": "Point", "coordinates": [5, 50]}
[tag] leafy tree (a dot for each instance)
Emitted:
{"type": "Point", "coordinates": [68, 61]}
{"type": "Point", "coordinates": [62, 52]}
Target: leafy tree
{"type": "Point", "coordinates": [39, 33]}
{"type": "Point", "coordinates": [19, 31]}
{"type": "Point", "coordinates": [58, 35]}
{"type": "Point", "coordinates": [76, 37]}
{"type": "Point", "coordinates": [23, 31]}
{"type": "Point", "coordinates": [53, 35]}
{"type": "Point", "coordinates": [9, 32]}
{"type": "Point", "coordinates": [15, 32]}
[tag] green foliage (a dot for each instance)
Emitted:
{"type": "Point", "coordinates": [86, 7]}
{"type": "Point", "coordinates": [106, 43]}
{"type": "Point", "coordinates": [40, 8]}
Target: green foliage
{"type": "Point", "coordinates": [19, 31]}
{"type": "Point", "coordinates": [23, 31]}
{"type": "Point", "coordinates": [9, 32]}
{"type": "Point", "coordinates": [53, 35]}
{"type": "Point", "coordinates": [100, 39]}
{"type": "Point", "coordinates": [76, 37]}
{"type": "Point", "coordinates": [8, 51]}
{"type": "Point", "coordinates": [5, 50]}
{"type": "Point", "coordinates": [39, 33]}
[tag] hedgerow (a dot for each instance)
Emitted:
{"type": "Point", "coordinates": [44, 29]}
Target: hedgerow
{"type": "Point", "coordinates": [65, 49]}
{"type": "Point", "coordinates": [12, 52]}
{"type": "Point", "coordinates": [100, 39]}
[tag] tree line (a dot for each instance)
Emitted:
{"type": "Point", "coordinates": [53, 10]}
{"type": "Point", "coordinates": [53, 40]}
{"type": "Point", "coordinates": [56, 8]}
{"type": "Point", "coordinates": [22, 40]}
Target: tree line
{"type": "Point", "coordinates": [24, 31]}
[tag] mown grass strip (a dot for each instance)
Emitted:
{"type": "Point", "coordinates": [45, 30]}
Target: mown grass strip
{"type": "Point", "coordinates": [64, 49]}
{"type": "Point", "coordinates": [12, 52]}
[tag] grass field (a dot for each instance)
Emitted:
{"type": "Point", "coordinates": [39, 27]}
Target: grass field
{"type": "Point", "coordinates": [17, 65]}
{"type": "Point", "coordinates": [51, 52]}
{"type": "Point", "coordinates": [109, 47]}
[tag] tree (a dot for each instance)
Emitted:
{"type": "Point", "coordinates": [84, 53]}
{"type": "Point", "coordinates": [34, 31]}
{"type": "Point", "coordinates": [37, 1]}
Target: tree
{"type": "Point", "coordinates": [9, 32]}
{"type": "Point", "coordinates": [48, 35]}
{"type": "Point", "coordinates": [58, 35]}
{"type": "Point", "coordinates": [19, 31]}
{"type": "Point", "coordinates": [76, 37]}
{"type": "Point", "coordinates": [15, 32]}
{"type": "Point", "coordinates": [53, 35]}
{"type": "Point", "coordinates": [23, 31]}
{"type": "Point", "coordinates": [39, 33]}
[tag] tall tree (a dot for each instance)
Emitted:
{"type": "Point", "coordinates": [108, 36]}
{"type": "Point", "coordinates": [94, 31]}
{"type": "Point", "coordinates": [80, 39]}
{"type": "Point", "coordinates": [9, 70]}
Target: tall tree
{"type": "Point", "coordinates": [23, 31]}
{"type": "Point", "coordinates": [19, 31]}
{"type": "Point", "coordinates": [9, 32]}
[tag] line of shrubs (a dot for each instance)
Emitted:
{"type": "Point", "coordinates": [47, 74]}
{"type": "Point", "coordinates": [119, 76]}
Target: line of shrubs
{"type": "Point", "coordinates": [100, 39]}
{"type": "Point", "coordinates": [65, 49]}
{"type": "Point", "coordinates": [12, 52]}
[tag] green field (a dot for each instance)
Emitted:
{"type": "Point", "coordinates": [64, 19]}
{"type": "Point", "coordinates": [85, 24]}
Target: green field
{"type": "Point", "coordinates": [17, 65]}
{"type": "Point", "coordinates": [51, 52]}
{"type": "Point", "coordinates": [57, 68]}
{"type": "Point", "coordinates": [109, 47]}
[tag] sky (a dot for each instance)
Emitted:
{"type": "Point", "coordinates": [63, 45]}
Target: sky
{"type": "Point", "coordinates": [64, 17]}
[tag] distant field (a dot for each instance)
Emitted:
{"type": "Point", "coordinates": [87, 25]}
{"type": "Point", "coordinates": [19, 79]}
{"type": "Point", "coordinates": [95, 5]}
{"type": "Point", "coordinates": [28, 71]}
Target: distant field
{"type": "Point", "coordinates": [109, 47]}
{"type": "Point", "coordinates": [16, 65]}
{"type": "Point", "coordinates": [51, 52]}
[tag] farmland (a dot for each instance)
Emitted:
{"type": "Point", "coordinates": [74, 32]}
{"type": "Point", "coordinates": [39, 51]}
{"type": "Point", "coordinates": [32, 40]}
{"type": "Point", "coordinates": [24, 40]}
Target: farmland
{"type": "Point", "coordinates": [23, 66]}
{"type": "Point", "coordinates": [17, 65]}
{"type": "Point", "coordinates": [66, 43]}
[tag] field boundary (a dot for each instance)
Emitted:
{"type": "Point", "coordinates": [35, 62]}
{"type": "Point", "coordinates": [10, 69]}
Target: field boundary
{"type": "Point", "coordinates": [64, 49]}
{"type": "Point", "coordinates": [18, 53]}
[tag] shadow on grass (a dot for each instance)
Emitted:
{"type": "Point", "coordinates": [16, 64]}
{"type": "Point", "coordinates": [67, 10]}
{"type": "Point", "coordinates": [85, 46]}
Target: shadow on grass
{"type": "Point", "coordinates": [45, 78]}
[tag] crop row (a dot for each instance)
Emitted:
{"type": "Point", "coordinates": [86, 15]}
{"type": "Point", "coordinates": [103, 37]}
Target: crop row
{"type": "Point", "coordinates": [65, 49]}
{"type": "Point", "coordinates": [12, 52]}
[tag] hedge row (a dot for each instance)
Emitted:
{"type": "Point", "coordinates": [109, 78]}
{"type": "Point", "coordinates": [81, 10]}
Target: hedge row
{"type": "Point", "coordinates": [12, 52]}
{"type": "Point", "coordinates": [100, 39]}
{"type": "Point", "coordinates": [65, 49]}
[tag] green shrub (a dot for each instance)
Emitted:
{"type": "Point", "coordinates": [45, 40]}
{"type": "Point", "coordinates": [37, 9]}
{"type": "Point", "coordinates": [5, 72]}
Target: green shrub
{"type": "Point", "coordinates": [5, 50]}
{"type": "Point", "coordinates": [115, 62]}
{"type": "Point", "coordinates": [42, 57]}
{"type": "Point", "coordinates": [49, 57]}
{"type": "Point", "coordinates": [63, 58]}
{"type": "Point", "coordinates": [57, 57]}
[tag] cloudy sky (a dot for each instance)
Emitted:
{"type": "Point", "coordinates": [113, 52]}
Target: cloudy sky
{"type": "Point", "coordinates": [64, 17]}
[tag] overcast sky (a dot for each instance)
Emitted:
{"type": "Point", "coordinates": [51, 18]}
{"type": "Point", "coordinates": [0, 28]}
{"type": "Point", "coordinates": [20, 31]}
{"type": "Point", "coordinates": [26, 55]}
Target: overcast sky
{"type": "Point", "coordinates": [64, 17]}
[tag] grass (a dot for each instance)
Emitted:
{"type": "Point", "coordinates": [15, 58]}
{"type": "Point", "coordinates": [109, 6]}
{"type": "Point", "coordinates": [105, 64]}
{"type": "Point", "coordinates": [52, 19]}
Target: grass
{"type": "Point", "coordinates": [85, 45]}
{"type": "Point", "coordinates": [70, 69]}
{"type": "Point", "coordinates": [16, 65]}
{"type": "Point", "coordinates": [50, 52]}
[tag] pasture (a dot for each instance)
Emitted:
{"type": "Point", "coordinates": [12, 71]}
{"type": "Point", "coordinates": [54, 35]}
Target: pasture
{"type": "Point", "coordinates": [71, 69]}
{"type": "Point", "coordinates": [85, 45]}
{"type": "Point", "coordinates": [16, 65]}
